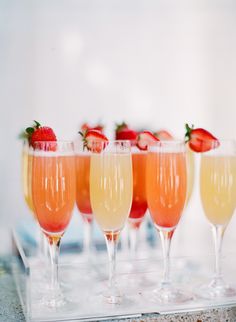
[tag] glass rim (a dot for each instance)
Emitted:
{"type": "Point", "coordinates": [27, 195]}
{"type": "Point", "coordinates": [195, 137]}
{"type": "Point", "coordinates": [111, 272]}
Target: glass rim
{"type": "Point", "coordinates": [57, 141]}
{"type": "Point", "coordinates": [168, 142]}
{"type": "Point", "coordinates": [220, 140]}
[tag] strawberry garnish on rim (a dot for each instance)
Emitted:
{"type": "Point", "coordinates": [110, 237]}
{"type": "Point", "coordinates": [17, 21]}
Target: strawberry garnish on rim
{"type": "Point", "coordinates": [163, 135]}
{"type": "Point", "coordinates": [123, 132]}
{"type": "Point", "coordinates": [37, 133]}
{"type": "Point", "coordinates": [200, 140]}
{"type": "Point", "coordinates": [86, 127]}
{"type": "Point", "coordinates": [145, 139]}
{"type": "Point", "coordinates": [94, 140]}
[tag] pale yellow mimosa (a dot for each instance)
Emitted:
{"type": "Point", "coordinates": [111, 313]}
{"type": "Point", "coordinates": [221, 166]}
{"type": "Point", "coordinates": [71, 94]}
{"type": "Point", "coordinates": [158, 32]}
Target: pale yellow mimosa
{"type": "Point", "coordinates": [111, 189]}
{"type": "Point", "coordinates": [218, 187]}
{"type": "Point", "coordinates": [27, 161]}
{"type": "Point", "coordinates": [190, 173]}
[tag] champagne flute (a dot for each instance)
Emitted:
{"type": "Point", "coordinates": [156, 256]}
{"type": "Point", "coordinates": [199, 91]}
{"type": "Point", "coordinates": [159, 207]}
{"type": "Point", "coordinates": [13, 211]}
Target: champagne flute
{"type": "Point", "coordinates": [218, 196]}
{"type": "Point", "coordinates": [166, 187]}
{"type": "Point", "coordinates": [111, 197]}
{"type": "Point", "coordinates": [53, 191]}
{"type": "Point", "coordinates": [26, 166]}
{"type": "Point", "coordinates": [82, 164]}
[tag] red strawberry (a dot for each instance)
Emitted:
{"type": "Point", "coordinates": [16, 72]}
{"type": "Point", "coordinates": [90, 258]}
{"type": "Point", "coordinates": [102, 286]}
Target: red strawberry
{"type": "Point", "coordinates": [200, 140]}
{"type": "Point", "coordinates": [38, 133]}
{"type": "Point", "coordinates": [85, 127]}
{"type": "Point", "coordinates": [98, 127]}
{"type": "Point", "coordinates": [163, 135]}
{"type": "Point", "coordinates": [94, 140]}
{"type": "Point", "coordinates": [123, 132]}
{"type": "Point", "coordinates": [145, 139]}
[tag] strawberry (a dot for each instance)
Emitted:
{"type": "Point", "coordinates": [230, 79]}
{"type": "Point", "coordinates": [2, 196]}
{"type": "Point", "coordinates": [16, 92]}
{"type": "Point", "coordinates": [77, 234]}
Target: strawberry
{"type": "Point", "coordinates": [145, 139]}
{"type": "Point", "coordinates": [123, 132]}
{"type": "Point", "coordinates": [94, 140]}
{"type": "Point", "coordinates": [38, 133]}
{"type": "Point", "coordinates": [200, 140]}
{"type": "Point", "coordinates": [85, 127]}
{"type": "Point", "coordinates": [163, 135]}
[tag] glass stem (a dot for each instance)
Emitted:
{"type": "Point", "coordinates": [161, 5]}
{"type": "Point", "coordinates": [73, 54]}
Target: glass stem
{"type": "Point", "coordinates": [54, 248]}
{"type": "Point", "coordinates": [133, 241]}
{"type": "Point", "coordinates": [87, 241]}
{"type": "Point", "coordinates": [43, 245]}
{"type": "Point", "coordinates": [166, 237]}
{"type": "Point", "coordinates": [111, 241]}
{"type": "Point", "coordinates": [218, 233]}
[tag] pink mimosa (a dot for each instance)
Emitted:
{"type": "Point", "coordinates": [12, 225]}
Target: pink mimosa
{"type": "Point", "coordinates": [166, 187]}
{"type": "Point", "coordinates": [53, 189]}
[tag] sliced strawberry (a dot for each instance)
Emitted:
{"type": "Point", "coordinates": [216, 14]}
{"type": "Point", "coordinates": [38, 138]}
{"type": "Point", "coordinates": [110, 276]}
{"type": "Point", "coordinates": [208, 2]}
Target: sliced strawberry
{"type": "Point", "coordinates": [99, 127]}
{"type": "Point", "coordinates": [85, 127]}
{"type": "Point", "coordinates": [145, 139]}
{"type": "Point", "coordinates": [123, 132]}
{"type": "Point", "coordinates": [94, 140]}
{"type": "Point", "coordinates": [38, 133]}
{"type": "Point", "coordinates": [163, 135]}
{"type": "Point", "coordinates": [200, 140]}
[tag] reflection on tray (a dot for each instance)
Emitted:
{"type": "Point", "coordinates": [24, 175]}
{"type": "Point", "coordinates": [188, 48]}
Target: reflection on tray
{"type": "Point", "coordinates": [82, 284]}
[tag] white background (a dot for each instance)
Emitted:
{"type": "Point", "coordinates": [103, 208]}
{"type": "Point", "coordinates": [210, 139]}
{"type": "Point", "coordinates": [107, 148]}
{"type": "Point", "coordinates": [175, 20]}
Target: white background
{"type": "Point", "coordinates": [152, 63]}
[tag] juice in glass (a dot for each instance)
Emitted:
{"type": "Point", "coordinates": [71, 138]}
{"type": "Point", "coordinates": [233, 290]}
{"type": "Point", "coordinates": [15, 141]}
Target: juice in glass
{"type": "Point", "coordinates": [166, 187]}
{"type": "Point", "coordinates": [218, 187]}
{"type": "Point", "coordinates": [139, 201]}
{"type": "Point", "coordinates": [111, 189]}
{"type": "Point", "coordinates": [190, 173]}
{"type": "Point", "coordinates": [53, 188]}
{"type": "Point", "coordinates": [27, 162]}
{"type": "Point", "coordinates": [82, 162]}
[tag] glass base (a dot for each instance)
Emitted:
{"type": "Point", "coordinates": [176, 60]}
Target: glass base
{"type": "Point", "coordinates": [53, 298]}
{"type": "Point", "coordinates": [171, 295]}
{"type": "Point", "coordinates": [112, 295]}
{"type": "Point", "coordinates": [217, 288]}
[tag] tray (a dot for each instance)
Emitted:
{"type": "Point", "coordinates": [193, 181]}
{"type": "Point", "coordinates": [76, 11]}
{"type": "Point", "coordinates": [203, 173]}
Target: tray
{"type": "Point", "coordinates": [83, 283]}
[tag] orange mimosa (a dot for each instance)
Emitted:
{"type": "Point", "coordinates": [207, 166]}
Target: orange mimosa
{"type": "Point", "coordinates": [166, 183]}
{"type": "Point", "coordinates": [166, 187]}
{"type": "Point", "coordinates": [53, 188]}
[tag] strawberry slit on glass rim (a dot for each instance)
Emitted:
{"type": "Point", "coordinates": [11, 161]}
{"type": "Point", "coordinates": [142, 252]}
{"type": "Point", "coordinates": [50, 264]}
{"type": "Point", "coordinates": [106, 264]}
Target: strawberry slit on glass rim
{"type": "Point", "coordinates": [85, 127]}
{"type": "Point", "coordinates": [163, 135]}
{"type": "Point", "coordinates": [95, 141]}
{"type": "Point", "coordinates": [145, 139]}
{"type": "Point", "coordinates": [200, 140]}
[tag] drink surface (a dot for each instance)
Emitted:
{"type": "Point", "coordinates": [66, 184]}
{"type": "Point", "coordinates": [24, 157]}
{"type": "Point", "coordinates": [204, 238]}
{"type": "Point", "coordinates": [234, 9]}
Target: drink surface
{"type": "Point", "coordinates": [111, 189]}
{"type": "Point", "coordinates": [218, 187]}
{"type": "Point", "coordinates": [53, 188]}
{"type": "Point", "coordinates": [139, 201]}
{"type": "Point", "coordinates": [166, 187]}
{"type": "Point", "coordinates": [82, 183]}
